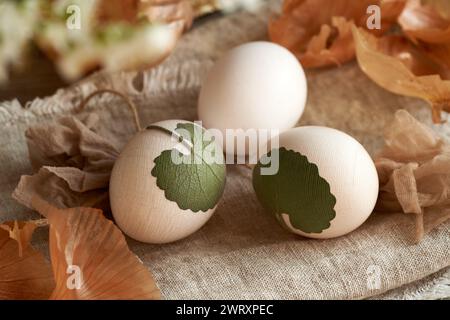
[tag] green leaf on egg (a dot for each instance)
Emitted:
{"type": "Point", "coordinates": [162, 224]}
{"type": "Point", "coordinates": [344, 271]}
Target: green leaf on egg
{"type": "Point", "coordinates": [297, 190]}
{"type": "Point", "coordinates": [194, 182]}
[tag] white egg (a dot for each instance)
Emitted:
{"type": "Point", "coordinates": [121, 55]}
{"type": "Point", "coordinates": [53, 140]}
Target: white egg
{"type": "Point", "coordinates": [258, 85]}
{"type": "Point", "coordinates": [326, 184]}
{"type": "Point", "coordinates": [160, 204]}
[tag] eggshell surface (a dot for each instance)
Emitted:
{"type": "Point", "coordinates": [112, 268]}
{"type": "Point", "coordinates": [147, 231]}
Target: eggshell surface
{"type": "Point", "coordinates": [140, 208]}
{"type": "Point", "coordinates": [258, 85]}
{"type": "Point", "coordinates": [345, 169]}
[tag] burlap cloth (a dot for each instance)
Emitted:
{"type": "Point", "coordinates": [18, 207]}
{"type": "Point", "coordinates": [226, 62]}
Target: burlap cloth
{"type": "Point", "coordinates": [242, 252]}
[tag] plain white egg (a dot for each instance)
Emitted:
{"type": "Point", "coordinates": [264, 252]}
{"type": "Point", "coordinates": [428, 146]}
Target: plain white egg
{"type": "Point", "coordinates": [140, 207]}
{"type": "Point", "coordinates": [257, 85]}
{"type": "Point", "coordinates": [325, 179]}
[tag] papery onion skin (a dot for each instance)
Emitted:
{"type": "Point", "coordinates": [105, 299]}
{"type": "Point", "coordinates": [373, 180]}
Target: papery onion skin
{"type": "Point", "coordinates": [91, 259]}
{"type": "Point", "coordinates": [318, 32]}
{"type": "Point", "coordinates": [24, 272]}
{"type": "Point", "coordinates": [392, 64]}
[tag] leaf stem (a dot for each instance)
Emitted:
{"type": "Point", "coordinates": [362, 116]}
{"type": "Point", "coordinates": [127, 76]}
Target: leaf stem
{"type": "Point", "coordinates": [180, 138]}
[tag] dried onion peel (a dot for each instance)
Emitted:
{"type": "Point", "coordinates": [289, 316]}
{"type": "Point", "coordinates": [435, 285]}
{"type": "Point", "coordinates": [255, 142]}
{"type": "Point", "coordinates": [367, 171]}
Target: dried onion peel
{"type": "Point", "coordinates": [91, 259]}
{"type": "Point", "coordinates": [425, 22]}
{"type": "Point", "coordinates": [24, 272]}
{"type": "Point", "coordinates": [402, 69]}
{"type": "Point", "coordinates": [414, 172]}
{"type": "Point", "coordinates": [89, 256]}
{"type": "Point", "coordinates": [319, 33]}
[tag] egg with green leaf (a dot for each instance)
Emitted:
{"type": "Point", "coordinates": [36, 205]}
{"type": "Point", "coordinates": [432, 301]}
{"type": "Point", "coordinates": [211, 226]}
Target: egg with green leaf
{"type": "Point", "coordinates": [318, 182]}
{"type": "Point", "coordinates": [167, 182]}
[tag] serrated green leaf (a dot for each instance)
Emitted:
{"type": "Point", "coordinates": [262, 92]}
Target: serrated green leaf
{"type": "Point", "coordinates": [298, 190]}
{"type": "Point", "coordinates": [195, 183]}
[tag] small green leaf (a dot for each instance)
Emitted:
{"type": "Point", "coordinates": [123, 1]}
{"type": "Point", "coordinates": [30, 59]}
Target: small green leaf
{"type": "Point", "coordinates": [298, 190]}
{"type": "Point", "coordinates": [196, 183]}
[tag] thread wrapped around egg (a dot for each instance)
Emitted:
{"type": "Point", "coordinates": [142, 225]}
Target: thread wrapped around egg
{"type": "Point", "coordinates": [322, 183]}
{"type": "Point", "coordinates": [167, 182]}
